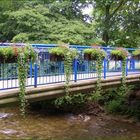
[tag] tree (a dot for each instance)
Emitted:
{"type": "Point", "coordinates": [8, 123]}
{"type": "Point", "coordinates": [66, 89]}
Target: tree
{"type": "Point", "coordinates": [111, 17]}
{"type": "Point", "coordinates": [37, 23]}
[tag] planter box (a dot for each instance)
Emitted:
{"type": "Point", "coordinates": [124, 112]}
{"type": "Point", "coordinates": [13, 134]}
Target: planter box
{"type": "Point", "coordinates": [1, 59]}
{"type": "Point", "coordinates": [54, 57]}
{"type": "Point", "coordinates": [117, 58]}
{"type": "Point", "coordinates": [136, 57]}
{"type": "Point", "coordinates": [89, 58]}
{"type": "Point", "coordinates": [8, 60]}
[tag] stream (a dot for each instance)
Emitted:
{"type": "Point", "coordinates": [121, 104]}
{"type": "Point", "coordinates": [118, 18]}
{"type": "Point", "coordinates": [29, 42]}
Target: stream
{"type": "Point", "coordinates": [38, 125]}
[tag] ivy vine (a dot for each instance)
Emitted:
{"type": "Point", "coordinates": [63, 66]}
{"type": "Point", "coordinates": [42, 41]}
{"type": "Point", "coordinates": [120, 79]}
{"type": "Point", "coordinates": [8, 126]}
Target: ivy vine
{"type": "Point", "coordinates": [69, 56]}
{"type": "Point", "coordinates": [97, 93]}
{"type": "Point", "coordinates": [22, 73]}
{"type": "Point", "coordinates": [123, 88]}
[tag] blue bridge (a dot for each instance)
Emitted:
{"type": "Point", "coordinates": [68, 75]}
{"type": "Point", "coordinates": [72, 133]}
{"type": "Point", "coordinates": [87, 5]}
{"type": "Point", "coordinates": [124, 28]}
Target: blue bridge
{"type": "Point", "coordinates": [45, 75]}
{"type": "Point", "coordinates": [46, 72]}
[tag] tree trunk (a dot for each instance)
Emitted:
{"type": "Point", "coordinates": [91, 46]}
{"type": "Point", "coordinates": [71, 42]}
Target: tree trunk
{"type": "Point", "coordinates": [105, 36]}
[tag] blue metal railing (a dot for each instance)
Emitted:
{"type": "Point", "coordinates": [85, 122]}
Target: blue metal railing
{"type": "Point", "coordinates": [53, 72]}
{"type": "Point", "coordinates": [46, 72]}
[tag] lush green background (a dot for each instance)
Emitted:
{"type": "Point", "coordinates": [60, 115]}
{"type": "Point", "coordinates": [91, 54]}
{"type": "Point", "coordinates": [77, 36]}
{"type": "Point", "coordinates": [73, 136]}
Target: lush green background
{"type": "Point", "coordinates": [112, 22]}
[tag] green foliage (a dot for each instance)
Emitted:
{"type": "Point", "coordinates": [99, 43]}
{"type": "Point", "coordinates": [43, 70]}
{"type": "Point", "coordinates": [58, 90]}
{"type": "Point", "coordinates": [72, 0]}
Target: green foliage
{"type": "Point", "coordinates": [98, 55]}
{"type": "Point", "coordinates": [68, 55]}
{"type": "Point", "coordinates": [119, 54]}
{"type": "Point", "coordinates": [116, 22]}
{"type": "Point", "coordinates": [11, 54]}
{"type": "Point", "coordinates": [123, 87]}
{"type": "Point", "coordinates": [76, 99]}
{"type": "Point", "coordinates": [24, 55]}
{"type": "Point", "coordinates": [98, 91]}
{"type": "Point", "coordinates": [51, 27]}
{"type": "Point", "coordinates": [115, 106]}
{"type": "Point", "coordinates": [20, 38]}
{"type": "Point", "coordinates": [21, 55]}
{"type": "Point", "coordinates": [98, 42]}
{"type": "Point", "coordinates": [88, 51]}
{"type": "Point", "coordinates": [95, 53]}
{"type": "Point", "coordinates": [136, 53]}
{"type": "Point", "coordinates": [7, 55]}
{"type": "Point", "coordinates": [22, 73]}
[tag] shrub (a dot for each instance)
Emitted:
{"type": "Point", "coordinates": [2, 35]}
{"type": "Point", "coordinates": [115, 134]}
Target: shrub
{"type": "Point", "coordinates": [115, 106]}
{"type": "Point", "coordinates": [20, 38]}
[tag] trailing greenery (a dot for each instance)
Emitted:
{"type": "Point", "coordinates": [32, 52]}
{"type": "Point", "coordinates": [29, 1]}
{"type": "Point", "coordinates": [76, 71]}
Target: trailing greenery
{"type": "Point", "coordinates": [123, 87]}
{"type": "Point", "coordinates": [24, 56]}
{"type": "Point", "coordinates": [98, 55]}
{"type": "Point", "coordinates": [68, 56]}
{"type": "Point", "coordinates": [121, 54]}
{"type": "Point", "coordinates": [22, 74]}
{"type": "Point", "coordinates": [21, 55]}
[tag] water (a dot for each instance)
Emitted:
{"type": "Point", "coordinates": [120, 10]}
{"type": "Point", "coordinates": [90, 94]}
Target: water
{"type": "Point", "coordinates": [37, 125]}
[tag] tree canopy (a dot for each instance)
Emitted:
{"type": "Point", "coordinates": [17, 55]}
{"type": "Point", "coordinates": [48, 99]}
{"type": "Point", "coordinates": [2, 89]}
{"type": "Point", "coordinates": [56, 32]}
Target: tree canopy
{"type": "Point", "coordinates": [113, 23]}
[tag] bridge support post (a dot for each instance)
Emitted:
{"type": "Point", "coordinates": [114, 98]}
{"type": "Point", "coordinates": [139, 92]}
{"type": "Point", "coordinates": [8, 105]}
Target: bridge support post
{"type": "Point", "coordinates": [75, 70]}
{"type": "Point", "coordinates": [35, 75]}
{"type": "Point", "coordinates": [105, 67]}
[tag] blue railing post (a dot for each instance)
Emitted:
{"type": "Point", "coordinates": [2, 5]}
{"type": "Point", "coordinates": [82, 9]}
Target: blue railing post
{"type": "Point", "coordinates": [75, 70]}
{"type": "Point", "coordinates": [133, 65]}
{"type": "Point", "coordinates": [35, 75]}
{"type": "Point", "coordinates": [126, 72]}
{"type": "Point", "coordinates": [105, 64]}
{"type": "Point", "coordinates": [30, 69]}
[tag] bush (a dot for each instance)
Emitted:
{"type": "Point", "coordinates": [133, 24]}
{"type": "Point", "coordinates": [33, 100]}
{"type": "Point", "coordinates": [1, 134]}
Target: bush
{"type": "Point", "coordinates": [20, 38]}
{"type": "Point", "coordinates": [115, 106]}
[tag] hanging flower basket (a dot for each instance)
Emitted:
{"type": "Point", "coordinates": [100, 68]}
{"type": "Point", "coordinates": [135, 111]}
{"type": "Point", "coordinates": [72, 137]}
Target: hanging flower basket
{"type": "Point", "coordinates": [59, 53]}
{"type": "Point", "coordinates": [119, 54]}
{"type": "Point", "coordinates": [136, 54]}
{"type": "Point", "coordinates": [55, 57]}
{"type": "Point", "coordinates": [11, 54]}
{"type": "Point", "coordinates": [93, 54]}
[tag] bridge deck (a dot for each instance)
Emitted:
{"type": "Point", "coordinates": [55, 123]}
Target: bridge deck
{"type": "Point", "coordinates": [50, 91]}
{"type": "Point", "coordinates": [5, 84]}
